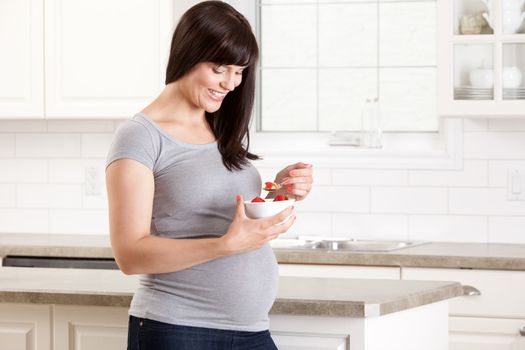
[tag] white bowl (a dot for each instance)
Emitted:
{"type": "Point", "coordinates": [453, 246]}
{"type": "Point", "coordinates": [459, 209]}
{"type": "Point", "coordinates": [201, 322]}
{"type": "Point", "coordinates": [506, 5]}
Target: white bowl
{"type": "Point", "coordinates": [260, 210]}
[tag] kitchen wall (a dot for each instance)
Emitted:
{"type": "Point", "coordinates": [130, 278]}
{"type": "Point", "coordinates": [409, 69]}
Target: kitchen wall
{"type": "Point", "coordinates": [52, 181]}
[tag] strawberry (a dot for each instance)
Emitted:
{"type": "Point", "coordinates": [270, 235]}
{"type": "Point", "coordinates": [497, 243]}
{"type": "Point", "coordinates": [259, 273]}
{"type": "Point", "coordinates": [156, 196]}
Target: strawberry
{"type": "Point", "coordinates": [258, 199]}
{"type": "Point", "coordinates": [268, 185]}
{"type": "Point", "coordinates": [280, 197]}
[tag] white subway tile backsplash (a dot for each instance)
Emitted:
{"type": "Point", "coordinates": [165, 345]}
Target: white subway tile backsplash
{"type": "Point", "coordinates": [473, 174]}
{"type": "Point", "coordinates": [336, 199]}
{"type": "Point", "coordinates": [78, 221]}
{"type": "Point", "coordinates": [507, 229]}
{"type": "Point", "coordinates": [7, 196]}
{"type": "Point", "coordinates": [483, 201]}
{"type": "Point", "coordinates": [448, 228]}
{"type": "Point", "coordinates": [310, 224]}
{"type": "Point", "coordinates": [506, 125]}
{"type": "Point", "coordinates": [321, 176]}
{"type": "Point", "coordinates": [404, 34]}
{"type": "Point", "coordinates": [83, 126]}
{"type": "Point", "coordinates": [47, 145]}
{"type": "Point", "coordinates": [23, 170]}
{"type": "Point", "coordinates": [494, 145]}
{"type": "Point", "coordinates": [72, 170]}
{"type": "Point", "coordinates": [7, 145]}
{"type": "Point", "coordinates": [499, 171]}
{"type": "Point", "coordinates": [49, 196]}
{"type": "Point", "coordinates": [96, 145]}
{"type": "Point", "coordinates": [23, 126]}
{"type": "Point", "coordinates": [99, 201]}
{"type": "Point", "coordinates": [370, 226]}
{"type": "Point", "coordinates": [378, 178]}
{"type": "Point", "coordinates": [406, 200]}
{"type": "Point", "coordinates": [24, 220]}
{"type": "Point", "coordinates": [43, 164]}
{"type": "Point", "coordinates": [347, 43]}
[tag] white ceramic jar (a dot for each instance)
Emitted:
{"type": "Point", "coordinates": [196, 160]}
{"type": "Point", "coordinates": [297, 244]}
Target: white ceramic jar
{"type": "Point", "coordinates": [511, 77]}
{"type": "Point", "coordinates": [512, 15]}
{"type": "Point", "coordinates": [482, 77]}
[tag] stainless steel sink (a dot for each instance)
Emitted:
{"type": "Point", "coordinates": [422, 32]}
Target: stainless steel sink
{"type": "Point", "coordinates": [337, 244]}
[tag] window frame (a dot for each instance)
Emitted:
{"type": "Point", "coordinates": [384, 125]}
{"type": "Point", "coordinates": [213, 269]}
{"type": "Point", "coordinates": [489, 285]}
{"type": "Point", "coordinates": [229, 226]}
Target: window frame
{"type": "Point", "coordinates": [402, 150]}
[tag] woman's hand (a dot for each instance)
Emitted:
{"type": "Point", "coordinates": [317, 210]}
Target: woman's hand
{"type": "Point", "coordinates": [245, 234]}
{"type": "Point", "coordinates": [296, 179]}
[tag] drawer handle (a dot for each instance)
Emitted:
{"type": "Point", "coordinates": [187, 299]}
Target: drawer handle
{"type": "Point", "coordinates": [522, 331]}
{"type": "Point", "coordinates": [470, 291]}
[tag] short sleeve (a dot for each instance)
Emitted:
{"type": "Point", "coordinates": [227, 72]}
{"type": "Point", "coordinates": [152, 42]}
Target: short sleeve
{"type": "Point", "coordinates": [132, 140]}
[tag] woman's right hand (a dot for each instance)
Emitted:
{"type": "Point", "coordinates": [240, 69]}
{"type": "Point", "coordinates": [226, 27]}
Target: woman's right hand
{"type": "Point", "coordinates": [245, 234]}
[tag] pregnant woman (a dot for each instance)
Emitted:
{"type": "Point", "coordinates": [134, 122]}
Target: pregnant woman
{"type": "Point", "coordinates": [176, 175]}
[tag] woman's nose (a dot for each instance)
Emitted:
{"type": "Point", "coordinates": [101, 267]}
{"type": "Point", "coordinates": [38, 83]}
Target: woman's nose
{"type": "Point", "coordinates": [228, 83]}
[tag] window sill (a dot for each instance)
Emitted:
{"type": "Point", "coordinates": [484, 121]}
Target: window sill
{"type": "Point", "coordinates": [443, 150]}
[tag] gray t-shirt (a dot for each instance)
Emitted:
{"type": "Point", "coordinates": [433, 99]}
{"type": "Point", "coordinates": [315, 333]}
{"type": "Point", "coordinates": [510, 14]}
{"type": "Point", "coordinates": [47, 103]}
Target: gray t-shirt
{"type": "Point", "coordinates": [194, 198]}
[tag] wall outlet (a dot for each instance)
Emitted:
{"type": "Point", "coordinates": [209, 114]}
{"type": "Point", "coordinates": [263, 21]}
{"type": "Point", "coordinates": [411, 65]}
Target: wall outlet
{"type": "Point", "coordinates": [516, 184]}
{"type": "Point", "coordinates": [93, 183]}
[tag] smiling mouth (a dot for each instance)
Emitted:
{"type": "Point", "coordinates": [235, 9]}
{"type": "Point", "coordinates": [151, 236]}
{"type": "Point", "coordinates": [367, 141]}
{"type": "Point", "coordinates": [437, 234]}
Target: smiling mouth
{"type": "Point", "coordinates": [216, 95]}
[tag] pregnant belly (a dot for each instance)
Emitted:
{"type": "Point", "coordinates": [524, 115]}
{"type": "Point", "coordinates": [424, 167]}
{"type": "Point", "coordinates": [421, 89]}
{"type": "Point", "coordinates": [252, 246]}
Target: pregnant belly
{"type": "Point", "coordinates": [239, 289]}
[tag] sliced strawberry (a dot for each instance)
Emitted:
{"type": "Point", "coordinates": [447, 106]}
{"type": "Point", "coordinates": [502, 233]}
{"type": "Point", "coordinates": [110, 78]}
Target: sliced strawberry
{"type": "Point", "coordinates": [280, 197]}
{"type": "Point", "coordinates": [268, 185]}
{"type": "Point", "coordinates": [258, 199]}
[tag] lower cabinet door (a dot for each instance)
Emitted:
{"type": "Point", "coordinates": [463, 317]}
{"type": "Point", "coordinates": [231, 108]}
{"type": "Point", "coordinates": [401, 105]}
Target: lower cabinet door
{"type": "Point", "coordinates": [307, 341]}
{"type": "Point", "coordinates": [472, 333]}
{"type": "Point", "coordinates": [90, 328]}
{"type": "Point", "coordinates": [24, 327]}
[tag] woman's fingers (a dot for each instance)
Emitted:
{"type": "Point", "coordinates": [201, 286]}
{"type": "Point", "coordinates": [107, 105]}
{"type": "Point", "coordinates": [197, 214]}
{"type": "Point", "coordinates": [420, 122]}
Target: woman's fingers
{"type": "Point", "coordinates": [277, 230]}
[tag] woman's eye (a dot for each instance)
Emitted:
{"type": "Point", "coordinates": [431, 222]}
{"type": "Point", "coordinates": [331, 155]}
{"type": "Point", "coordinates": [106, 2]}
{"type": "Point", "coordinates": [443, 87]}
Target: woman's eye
{"type": "Point", "coordinates": [217, 70]}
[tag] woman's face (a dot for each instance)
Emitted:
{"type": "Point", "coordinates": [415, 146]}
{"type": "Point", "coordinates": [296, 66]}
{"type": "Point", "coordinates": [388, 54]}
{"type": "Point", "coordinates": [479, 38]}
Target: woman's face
{"type": "Point", "coordinates": [208, 83]}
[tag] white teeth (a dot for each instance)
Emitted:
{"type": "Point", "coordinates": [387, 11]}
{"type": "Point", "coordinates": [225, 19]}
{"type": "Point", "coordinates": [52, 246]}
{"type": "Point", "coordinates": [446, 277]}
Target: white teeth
{"type": "Point", "coordinates": [217, 93]}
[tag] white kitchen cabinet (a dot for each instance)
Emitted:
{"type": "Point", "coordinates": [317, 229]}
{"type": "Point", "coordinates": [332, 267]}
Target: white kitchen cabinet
{"type": "Point", "coordinates": [100, 59]}
{"type": "Point", "coordinates": [470, 333]}
{"type": "Point", "coordinates": [479, 65]}
{"type": "Point", "coordinates": [25, 327]}
{"type": "Point", "coordinates": [339, 271]}
{"type": "Point", "coordinates": [306, 341]}
{"type": "Point", "coordinates": [491, 320]}
{"type": "Point", "coordinates": [105, 58]}
{"type": "Point", "coordinates": [89, 328]}
{"type": "Point", "coordinates": [423, 327]}
{"type": "Point", "coordinates": [22, 59]}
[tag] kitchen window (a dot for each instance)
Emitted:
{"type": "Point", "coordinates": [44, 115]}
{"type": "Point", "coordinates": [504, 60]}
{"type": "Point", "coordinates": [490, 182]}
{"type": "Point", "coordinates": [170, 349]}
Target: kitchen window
{"type": "Point", "coordinates": [320, 61]}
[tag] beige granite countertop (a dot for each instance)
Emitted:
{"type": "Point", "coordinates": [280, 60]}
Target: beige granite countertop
{"type": "Point", "coordinates": [296, 295]}
{"type": "Point", "coordinates": [435, 254]}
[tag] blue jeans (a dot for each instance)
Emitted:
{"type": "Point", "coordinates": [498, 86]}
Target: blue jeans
{"type": "Point", "coordinates": [146, 334]}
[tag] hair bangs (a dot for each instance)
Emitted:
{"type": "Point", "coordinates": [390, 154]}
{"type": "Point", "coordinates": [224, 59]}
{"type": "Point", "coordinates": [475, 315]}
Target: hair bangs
{"type": "Point", "coordinates": [238, 49]}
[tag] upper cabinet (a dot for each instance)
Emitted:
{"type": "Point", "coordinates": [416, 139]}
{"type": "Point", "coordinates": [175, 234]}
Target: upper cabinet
{"type": "Point", "coordinates": [101, 59]}
{"type": "Point", "coordinates": [22, 58]}
{"type": "Point", "coordinates": [481, 58]}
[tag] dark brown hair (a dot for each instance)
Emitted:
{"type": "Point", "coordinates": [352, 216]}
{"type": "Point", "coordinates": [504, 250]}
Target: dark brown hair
{"type": "Point", "coordinates": [213, 31]}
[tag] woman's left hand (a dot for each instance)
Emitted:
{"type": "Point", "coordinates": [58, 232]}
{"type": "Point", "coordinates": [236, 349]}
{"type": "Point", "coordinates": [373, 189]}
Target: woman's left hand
{"type": "Point", "coordinates": [295, 179]}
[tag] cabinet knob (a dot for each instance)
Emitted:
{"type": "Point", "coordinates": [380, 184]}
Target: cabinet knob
{"type": "Point", "coordinates": [470, 291]}
{"type": "Point", "coordinates": [522, 331]}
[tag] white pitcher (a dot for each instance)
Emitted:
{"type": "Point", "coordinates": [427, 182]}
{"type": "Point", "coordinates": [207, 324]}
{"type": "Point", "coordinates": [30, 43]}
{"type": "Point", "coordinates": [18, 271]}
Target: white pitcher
{"type": "Point", "coordinates": [512, 15]}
